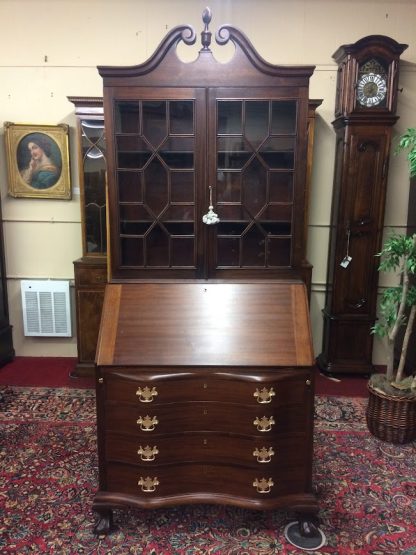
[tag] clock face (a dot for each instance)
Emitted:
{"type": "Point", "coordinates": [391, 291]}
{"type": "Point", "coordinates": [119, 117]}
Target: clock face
{"type": "Point", "coordinates": [371, 89]}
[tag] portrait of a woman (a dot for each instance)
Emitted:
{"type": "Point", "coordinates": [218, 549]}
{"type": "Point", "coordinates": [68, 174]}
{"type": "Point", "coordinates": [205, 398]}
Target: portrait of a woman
{"type": "Point", "coordinates": [39, 161]}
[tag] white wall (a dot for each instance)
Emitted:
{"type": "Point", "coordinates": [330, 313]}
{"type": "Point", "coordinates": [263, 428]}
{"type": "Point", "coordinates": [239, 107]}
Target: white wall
{"type": "Point", "coordinates": [50, 50]}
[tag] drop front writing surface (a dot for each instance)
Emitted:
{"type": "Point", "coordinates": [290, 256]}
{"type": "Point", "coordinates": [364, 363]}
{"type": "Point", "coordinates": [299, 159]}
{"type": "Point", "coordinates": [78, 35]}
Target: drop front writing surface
{"type": "Point", "coordinates": [189, 324]}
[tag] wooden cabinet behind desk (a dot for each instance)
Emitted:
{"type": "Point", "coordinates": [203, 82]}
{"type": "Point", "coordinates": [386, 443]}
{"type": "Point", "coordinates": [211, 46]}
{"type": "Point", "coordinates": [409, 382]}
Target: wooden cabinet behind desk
{"type": "Point", "coordinates": [90, 279]}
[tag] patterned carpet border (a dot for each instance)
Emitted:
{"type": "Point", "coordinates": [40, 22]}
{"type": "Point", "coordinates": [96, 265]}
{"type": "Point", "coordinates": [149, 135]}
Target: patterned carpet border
{"type": "Point", "coordinates": [48, 476]}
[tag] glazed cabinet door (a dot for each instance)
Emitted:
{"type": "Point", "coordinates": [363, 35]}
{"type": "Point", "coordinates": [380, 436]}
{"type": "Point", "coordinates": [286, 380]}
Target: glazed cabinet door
{"type": "Point", "coordinates": [257, 143]}
{"type": "Point", "coordinates": [158, 161]}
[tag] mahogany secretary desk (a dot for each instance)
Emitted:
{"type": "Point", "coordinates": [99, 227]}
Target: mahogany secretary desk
{"type": "Point", "coordinates": [205, 338]}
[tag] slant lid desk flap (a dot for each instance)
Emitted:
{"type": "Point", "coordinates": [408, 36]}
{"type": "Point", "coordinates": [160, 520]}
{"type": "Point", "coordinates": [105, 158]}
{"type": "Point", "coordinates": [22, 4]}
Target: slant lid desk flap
{"type": "Point", "coordinates": [205, 324]}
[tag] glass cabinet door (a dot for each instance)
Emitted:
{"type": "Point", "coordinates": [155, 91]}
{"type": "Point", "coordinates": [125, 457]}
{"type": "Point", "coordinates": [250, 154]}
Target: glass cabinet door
{"type": "Point", "coordinates": [94, 196]}
{"type": "Point", "coordinates": [255, 145]}
{"type": "Point", "coordinates": [157, 148]}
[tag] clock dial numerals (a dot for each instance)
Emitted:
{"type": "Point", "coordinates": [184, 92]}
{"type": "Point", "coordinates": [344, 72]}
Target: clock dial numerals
{"type": "Point", "coordinates": [371, 89]}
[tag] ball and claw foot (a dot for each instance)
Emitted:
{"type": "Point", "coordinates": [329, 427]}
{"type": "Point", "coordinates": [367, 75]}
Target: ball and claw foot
{"type": "Point", "coordinates": [104, 525]}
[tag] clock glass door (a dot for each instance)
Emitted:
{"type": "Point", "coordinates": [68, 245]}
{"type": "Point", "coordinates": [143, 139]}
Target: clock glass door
{"type": "Point", "coordinates": [253, 171]}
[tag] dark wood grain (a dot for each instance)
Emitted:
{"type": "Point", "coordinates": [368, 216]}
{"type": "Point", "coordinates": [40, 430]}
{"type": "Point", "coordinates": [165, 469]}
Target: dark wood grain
{"type": "Point", "coordinates": [237, 324]}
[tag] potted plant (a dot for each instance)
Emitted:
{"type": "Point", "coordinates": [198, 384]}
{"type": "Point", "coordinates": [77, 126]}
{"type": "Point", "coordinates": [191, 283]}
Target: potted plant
{"type": "Point", "coordinates": [391, 411]}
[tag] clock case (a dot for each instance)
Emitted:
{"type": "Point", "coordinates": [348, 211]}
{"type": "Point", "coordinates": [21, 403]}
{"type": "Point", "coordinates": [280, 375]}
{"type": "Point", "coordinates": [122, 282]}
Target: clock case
{"type": "Point", "coordinates": [363, 139]}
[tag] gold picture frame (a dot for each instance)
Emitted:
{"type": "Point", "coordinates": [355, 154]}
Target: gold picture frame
{"type": "Point", "coordinates": [38, 160]}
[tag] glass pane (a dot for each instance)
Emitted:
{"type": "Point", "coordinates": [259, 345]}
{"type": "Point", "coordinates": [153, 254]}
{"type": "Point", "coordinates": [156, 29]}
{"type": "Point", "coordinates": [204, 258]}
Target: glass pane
{"type": "Point", "coordinates": [177, 152]}
{"type": "Point", "coordinates": [228, 251]}
{"type": "Point", "coordinates": [233, 153]}
{"type": "Point", "coordinates": [181, 117]}
{"type": "Point", "coordinates": [154, 121]}
{"type": "Point", "coordinates": [182, 186]}
{"type": "Point", "coordinates": [155, 187]}
{"type": "Point", "coordinates": [276, 228]}
{"type": "Point", "coordinates": [253, 248]}
{"type": "Point", "coordinates": [279, 152]}
{"type": "Point", "coordinates": [231, 228]}
{"type": "Point", "coordinates": [230, 117]}
{"type": "Point", "coordinates": [132, 152]}
{"type": "Point", "coordinates": [183, 252]}
{"type": "Point", "coordinates": [254, 182]}
{"type": "Point", "coordinates": [127, 117]}
{"type": "Point", "coordinates": [95, 228]}
{"type": "Point", "coordinates": [92, 131]}
{"type": "Point", "coordinates": [134, 228]}
{"type": "Point", "coordinates": [183, 212]}
{"type": "Point", "coordinates": [280, 187]}
{"type": "Point", "coordinates": [277, 212]}
{"type": "Point", "coordinates": [131, 251]}
{"type": "Point", "coordinates": [134, 219]}
{"type": "Point", "coordinates": [228, 186]}
{"type": "Point", "coordinates": [94, 179]}
{"type": "Point", "coordinates": [233, 212]}
{"type": "Point", "coordinates": [157, 248]}
{"type": "Point", "coordinates": [134, 212]}
{"type": "Point", "coordinates": [257, 121]}
{"type": "Point", "coordinates": [278, 251]}
{"type": "Point", "coordinates": [129, 186]}
{"type": "Point", "coordinates": [179, 228]}
{"type": "Point", "coordinates": [283, 116]}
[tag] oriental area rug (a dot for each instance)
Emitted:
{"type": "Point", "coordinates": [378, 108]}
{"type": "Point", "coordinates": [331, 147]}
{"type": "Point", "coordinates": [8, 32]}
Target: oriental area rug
{"type": "Point", "coordinates": [48, 476]}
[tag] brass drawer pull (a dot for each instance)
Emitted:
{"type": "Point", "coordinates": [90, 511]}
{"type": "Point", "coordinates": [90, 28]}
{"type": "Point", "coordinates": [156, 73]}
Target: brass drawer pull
{"type": "Point", "coordinates": [264, 424]}
{"type": "Point", "coordinates": [148, 484]}
{"type": "Point", "coordinates": [263, 485]}
{"type": "Point", "coordinates": [263, 455]}
{"type": "Point", "coordinates": [148, 453]}
{"type": "Point", "coordinates": [146, 394]}
{"type": "Point", "coordinates": [148, 423]}
{"type": "Point", "coordinates": [264, 396]}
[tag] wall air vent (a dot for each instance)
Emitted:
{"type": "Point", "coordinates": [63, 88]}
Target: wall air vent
{"type": "Point", "coordinates": [46, 308]}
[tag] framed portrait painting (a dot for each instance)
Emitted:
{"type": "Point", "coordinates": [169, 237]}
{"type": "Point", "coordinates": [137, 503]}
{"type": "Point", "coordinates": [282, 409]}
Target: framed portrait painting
{"type": "Point", "coordinates": [38, 160]}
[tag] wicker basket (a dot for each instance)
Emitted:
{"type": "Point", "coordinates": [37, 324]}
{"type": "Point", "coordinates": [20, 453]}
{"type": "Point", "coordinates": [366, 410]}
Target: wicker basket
{"type": "Point", "coordinates": [391, 418]}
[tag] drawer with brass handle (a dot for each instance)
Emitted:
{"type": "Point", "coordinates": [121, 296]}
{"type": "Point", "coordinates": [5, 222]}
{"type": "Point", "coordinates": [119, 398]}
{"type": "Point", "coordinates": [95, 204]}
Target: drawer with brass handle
{"type": "Point", "coordinates": [199, 416]}
{"type": "Point", "coordinates": [211, 479]}
{"type": "Point", "coordinates": [268, 388]}
{"type": "Point", "coordinates": [280, 453]}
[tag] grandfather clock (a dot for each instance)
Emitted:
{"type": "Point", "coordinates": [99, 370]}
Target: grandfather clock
{"type": "Point", "coordinates": [365, 114]}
